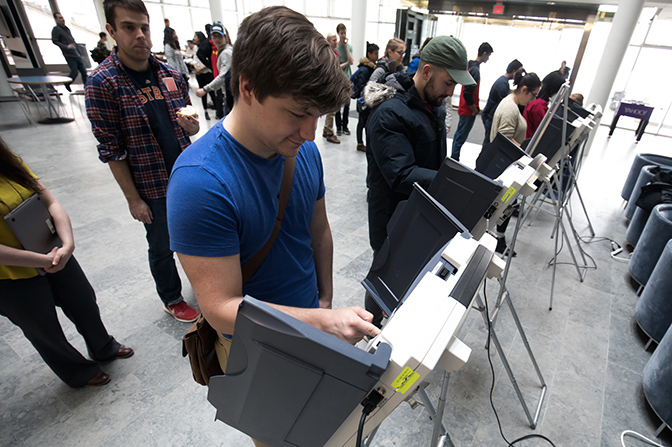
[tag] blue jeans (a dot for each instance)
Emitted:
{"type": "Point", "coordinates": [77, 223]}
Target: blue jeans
{"type": "Point", "coordinates": [76, 64]}
{"type": "Point", "coordinates": [161, 261]}
{"type": "Point", "coordinates": [463, 128]}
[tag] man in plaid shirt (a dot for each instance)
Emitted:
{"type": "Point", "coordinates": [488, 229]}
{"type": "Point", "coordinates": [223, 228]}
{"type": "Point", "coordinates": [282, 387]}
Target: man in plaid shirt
{"type": "Point", "coordinates": [132, 101]}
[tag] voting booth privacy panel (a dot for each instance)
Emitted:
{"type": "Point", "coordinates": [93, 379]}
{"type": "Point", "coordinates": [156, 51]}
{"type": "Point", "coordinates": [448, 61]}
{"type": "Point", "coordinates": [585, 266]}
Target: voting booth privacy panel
{"type": "Point", "coordinates": [286, 382]}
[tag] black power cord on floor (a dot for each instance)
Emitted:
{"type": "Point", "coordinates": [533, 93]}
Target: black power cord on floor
{"type": "Point", "coordinates": [492, 387]}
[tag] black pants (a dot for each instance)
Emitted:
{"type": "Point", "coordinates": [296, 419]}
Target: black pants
{"type": "Point", "coordinates": [31, 305]}
{"type": "Point", "coordinates": [219, 104]}
{"type": "Point", "coordinates": [361, 123]}
{"type": "Point", "coordinates": [371, 306]}
{"type": "Point", "coordinates": [203, 80]}
{"type": "Point", "coordinates": [342, 120]}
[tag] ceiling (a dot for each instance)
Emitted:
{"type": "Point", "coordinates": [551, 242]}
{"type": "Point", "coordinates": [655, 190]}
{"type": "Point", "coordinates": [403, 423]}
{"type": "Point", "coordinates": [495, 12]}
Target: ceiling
{"type": "Point", "coordinates": [561, 9]}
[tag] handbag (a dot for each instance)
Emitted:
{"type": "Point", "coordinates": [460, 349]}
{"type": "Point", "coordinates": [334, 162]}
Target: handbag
{"type": "Point", "coordinates": [199, 341]}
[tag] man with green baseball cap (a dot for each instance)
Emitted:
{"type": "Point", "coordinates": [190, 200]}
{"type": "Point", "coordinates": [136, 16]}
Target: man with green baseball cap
{"type": "Point", "coordinates": [406, 133]}
{"type": "Point", "coordinates": [449, 53]}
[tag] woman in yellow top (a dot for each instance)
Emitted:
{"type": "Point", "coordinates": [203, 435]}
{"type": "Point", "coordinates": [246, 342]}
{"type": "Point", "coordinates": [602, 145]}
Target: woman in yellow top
{"type": "Point", "coordinates": [29, 300]}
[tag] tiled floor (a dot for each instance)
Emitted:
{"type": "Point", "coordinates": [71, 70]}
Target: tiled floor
{"type": "Point", "coordinates": [588, 347]}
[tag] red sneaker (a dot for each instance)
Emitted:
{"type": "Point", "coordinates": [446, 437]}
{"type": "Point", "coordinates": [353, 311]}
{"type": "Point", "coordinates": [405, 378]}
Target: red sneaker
{"type": "Point", "coordinates": [182, 312]}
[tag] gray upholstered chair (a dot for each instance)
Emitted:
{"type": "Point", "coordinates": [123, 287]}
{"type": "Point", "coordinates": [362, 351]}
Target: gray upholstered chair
{"type": "Point", "coordinates": [645, 176]}
{"type": "Point", "coordinates": [654, 308]}
{"type": "Point", "coordinates": [657, 378]}
{"type": "Point", "coordinates": [657, 231]}
{"type": "Point", "coordinates": [642, 160]}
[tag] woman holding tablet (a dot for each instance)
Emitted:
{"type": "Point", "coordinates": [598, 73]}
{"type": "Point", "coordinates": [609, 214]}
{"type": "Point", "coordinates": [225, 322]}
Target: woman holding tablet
{"type": "Point", "coordinates": [29, 299]}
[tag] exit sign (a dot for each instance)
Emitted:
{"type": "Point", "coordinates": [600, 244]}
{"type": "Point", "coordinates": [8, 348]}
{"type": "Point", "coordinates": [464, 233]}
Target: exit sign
{"type": "Point", "coordinates": [498, 9]}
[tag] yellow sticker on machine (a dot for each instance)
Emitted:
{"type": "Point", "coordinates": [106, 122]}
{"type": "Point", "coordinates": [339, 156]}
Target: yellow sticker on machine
{"type": "Point", "coordinates": [405, 380]}
{"type": "Point", "coordinates": [509, 194]}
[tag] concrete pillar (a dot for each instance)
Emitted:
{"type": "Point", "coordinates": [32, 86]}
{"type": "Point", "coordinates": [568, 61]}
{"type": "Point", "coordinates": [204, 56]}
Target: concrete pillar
{"type": "Point", "coordinates": [358, 31]}
{"type": "Point", "coordinates": [622, 27]}
{"type": "Point", "coordinates": [216, 10]}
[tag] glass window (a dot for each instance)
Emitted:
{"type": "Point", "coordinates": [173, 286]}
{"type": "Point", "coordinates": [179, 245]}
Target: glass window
{"type": "Point", "coordinates": [250, 6]}
{"type": "Point", "coordinates": [40, 17]}
{"type": "Point", "coordinates": [642, 26]}
{"type": "Point", "coordinates": [639, 86]}
{"type": "Point", "coordinates": [324, 26]}
{"type": "Point", "coordinates": [82, 19]}
{"type": "Point", "coordinates": [156, 26]}
{"type": "Point", "coordinates": [666, 128]}
{"type": "Point", "coordinates": [296, 5]}
{"type": "Point", "coordinates": [199, 18]}
{"type": "Point", "coordinates": [201, 3]}
{"type": "Point", "coordinates": [340, 8]}
{"type": "Point", "coordinates": [591, 58]}
{"type": "Point", "coordinates": [180, 21]}
{"type": "Point", "coordinates": [51, 54]}
{"type": "Point", "coordinates": [659, 34]}
{"type": "Point", "coordinates": [384, 32]}
{"type": "Point", "coordinates": [317, 8]}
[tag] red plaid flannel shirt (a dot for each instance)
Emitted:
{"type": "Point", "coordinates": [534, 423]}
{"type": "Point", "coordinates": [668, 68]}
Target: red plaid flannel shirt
{"type": "Point", "coordinates": [121, 126]}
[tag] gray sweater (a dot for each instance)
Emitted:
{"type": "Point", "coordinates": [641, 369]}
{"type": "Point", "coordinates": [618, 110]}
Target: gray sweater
{"type": "Point", "coordinates": [223, 65]}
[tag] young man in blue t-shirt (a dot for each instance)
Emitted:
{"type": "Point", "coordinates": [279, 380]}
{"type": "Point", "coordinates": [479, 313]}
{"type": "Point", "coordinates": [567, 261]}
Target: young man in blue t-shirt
{"type": "Point", "coordinates": [223, 192]}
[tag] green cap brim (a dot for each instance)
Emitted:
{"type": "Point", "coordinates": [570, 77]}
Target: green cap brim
{"type": "Point", "coordinates": [461, 76]}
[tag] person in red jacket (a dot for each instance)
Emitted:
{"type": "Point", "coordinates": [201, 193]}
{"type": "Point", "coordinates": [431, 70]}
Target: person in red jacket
{"type": "Point", "coordinates": [536, 110]}
{"type": "Point", "coordinates": [469, 108]}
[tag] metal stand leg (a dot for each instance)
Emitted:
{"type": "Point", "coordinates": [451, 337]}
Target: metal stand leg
{"type": "Point", "coordinates": [440, 436]}
{"type": "Point", "coordinates": [489, 322]}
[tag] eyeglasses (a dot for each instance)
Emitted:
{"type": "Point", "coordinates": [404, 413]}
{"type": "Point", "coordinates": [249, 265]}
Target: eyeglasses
{"type": "Point", "coordinates": [534, 94]}
{"type": "Point", "coordinates": [400, 53]}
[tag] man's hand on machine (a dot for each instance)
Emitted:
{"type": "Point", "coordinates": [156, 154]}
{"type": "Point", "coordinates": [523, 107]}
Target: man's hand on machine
{"type": "Point", "coordinates": [349, 323]}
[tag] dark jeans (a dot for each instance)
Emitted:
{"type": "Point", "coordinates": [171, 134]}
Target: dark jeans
{"type": "Point", "coordinates": [487, 123]}
{"type": "Point", "coordinates": [203, 80]}
{"type": "Point", "coordinates": [342, 120]}
{"type": "Point", "coordinates": [363, 116]}
{"type": "Point", "coordinates": [76, 64]}
{"type": "Point", "coordinates": [31, 305]}
{"type": "Point", "coordinates": [161, 261]}
{"type": "Point", "coordinates": [461, 133]}
{"type": "Point", "coordinates": [219, 104]}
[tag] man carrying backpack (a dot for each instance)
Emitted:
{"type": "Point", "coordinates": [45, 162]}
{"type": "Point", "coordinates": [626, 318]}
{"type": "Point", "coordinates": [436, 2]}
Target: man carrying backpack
{"type": "Point", "coordinates": [359, 79]}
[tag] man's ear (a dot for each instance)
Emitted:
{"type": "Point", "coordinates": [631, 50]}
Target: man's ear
{"type": "Point", "coordinates": [245, 91]}
{"type": "Point", "coordinates": [427, 71]}
{"type": "Point", "coordinates": [110, 30]}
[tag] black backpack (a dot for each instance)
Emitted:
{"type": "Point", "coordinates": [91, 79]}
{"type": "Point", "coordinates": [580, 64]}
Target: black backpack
{"type": "Point", "coordinates": [99, 55]}
{"type": "Point", "coordinates": [657, 191]}
{"type": "Point", "coordinates": [359, 79]}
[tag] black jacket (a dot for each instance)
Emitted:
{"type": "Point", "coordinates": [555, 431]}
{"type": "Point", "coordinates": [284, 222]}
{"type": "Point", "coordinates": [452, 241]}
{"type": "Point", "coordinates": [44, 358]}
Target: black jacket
{"type": "Point", "coordinates": [406, 143]}
{"type": "Point", "coordinates": [62, 37]}
{"type": "Point", "coordinates": [204, 53]}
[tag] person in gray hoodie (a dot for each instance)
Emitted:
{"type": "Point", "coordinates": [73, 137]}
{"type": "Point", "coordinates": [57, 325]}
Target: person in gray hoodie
{"type": "Point", "coordinates": [222, 40]}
